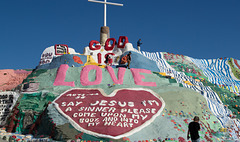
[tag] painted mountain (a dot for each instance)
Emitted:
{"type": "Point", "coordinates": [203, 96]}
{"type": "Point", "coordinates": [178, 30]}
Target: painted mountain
{"type": "Point", "coordinates": [77, 97]}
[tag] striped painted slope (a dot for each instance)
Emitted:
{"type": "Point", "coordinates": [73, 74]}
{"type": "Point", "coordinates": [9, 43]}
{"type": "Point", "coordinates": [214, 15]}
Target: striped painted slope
{"type": "Point", "coordinates": [218, 72]}
{"type": "Point", "coordinates": [214, 102]}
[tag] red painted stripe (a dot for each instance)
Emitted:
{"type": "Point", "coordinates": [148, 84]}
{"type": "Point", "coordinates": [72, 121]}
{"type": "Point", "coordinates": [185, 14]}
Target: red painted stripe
{"type": "Point", "coordinates": [236, 63]}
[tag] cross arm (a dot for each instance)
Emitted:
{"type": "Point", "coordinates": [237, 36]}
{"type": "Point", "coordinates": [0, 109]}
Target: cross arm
{"type": "Point", "coordinates": [117, 4]}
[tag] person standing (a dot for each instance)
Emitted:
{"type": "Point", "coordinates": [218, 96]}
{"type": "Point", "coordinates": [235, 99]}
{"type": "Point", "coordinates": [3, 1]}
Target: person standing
{"type": "Point", "coordinates": [107, 59]}
{"type": "Point", "coordinates": [138, 44]}
{"type": "Point", "coordinates": [193, 129]}
{"type": "Point", "coordinates": [129, 58]}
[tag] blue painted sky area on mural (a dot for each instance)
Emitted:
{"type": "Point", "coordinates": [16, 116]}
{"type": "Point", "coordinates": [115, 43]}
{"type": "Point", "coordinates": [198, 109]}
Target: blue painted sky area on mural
{"type": "Point", "coordinates": [203, 29]}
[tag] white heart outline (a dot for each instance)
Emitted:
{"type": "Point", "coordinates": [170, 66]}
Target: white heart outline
{"type": "Point", "coordinates": [136, 129]}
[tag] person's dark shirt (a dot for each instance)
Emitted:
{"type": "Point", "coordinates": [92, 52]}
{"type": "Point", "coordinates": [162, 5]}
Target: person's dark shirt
{"type": "Point", "coordinates": [107, 58]}
{"type": "Point", "coordinates": [128, 57]}
{"type": "Point", "coordinates": [194, 127]}
{"type": "Point", "coordinates": [139, 43]}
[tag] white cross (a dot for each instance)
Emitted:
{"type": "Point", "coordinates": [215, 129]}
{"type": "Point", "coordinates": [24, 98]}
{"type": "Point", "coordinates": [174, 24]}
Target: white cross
{"type": "Point", "coordinates": [105, 8]}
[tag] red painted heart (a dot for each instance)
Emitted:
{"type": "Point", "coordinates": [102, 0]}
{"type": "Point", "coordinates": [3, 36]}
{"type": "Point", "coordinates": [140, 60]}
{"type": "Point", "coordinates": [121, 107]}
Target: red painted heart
{"type": "Point", "coordinates": [120, 114]}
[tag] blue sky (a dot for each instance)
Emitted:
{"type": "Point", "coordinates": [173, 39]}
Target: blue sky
{"type": "Point", "coordinates": [205, 29]}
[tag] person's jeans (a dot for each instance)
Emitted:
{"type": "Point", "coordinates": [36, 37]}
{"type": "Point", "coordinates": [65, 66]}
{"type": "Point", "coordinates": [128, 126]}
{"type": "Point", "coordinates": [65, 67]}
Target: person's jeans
{"type": "Point", "coordinates": [198, 140]}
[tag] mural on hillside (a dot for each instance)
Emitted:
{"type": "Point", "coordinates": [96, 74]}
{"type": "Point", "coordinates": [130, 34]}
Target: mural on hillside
{"type": "Point", "coordinates": [154, 100]}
